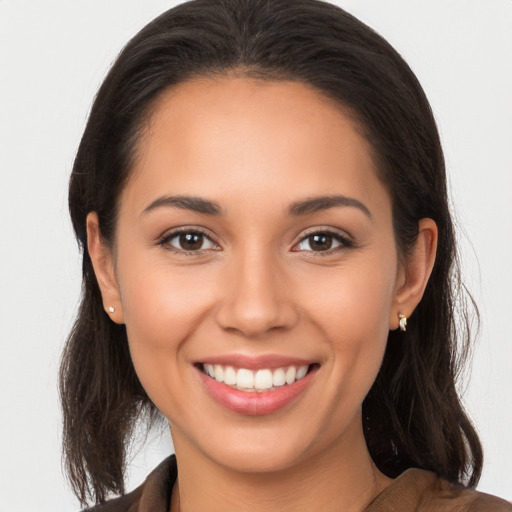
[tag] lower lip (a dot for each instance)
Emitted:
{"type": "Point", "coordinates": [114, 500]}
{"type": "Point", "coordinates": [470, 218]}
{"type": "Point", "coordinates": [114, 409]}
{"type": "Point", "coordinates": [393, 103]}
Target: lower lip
{"type": "Point", "coordinates": [255, 403]}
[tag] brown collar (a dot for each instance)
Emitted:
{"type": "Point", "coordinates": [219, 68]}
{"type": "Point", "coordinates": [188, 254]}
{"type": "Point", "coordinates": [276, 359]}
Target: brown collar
{"type": "Point", "coordinates": [415, 490]}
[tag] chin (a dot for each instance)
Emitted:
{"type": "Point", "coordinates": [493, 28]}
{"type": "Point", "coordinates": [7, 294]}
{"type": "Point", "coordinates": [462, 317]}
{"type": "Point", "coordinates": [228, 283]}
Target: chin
{"type": "Point", "coordinates": [258, 457]}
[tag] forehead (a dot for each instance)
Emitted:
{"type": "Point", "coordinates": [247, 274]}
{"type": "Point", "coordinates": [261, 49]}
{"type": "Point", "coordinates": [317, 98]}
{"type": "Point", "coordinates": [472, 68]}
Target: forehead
{"type": "Point", "coordinates": [240, 135]}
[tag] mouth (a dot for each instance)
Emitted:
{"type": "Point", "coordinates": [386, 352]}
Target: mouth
{"type": "Point", "coordinates": [256, 387]}
{"type": "Point", "coordinates": [256, 381]}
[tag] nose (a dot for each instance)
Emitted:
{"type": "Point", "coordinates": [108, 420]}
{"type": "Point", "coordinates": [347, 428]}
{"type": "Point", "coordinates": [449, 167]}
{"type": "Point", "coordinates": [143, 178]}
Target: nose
{"type": "Point", "coordinates": [257, 297]}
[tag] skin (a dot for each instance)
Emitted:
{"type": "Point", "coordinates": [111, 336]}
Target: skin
{"type": "Point", "coordinates": [258, 288]}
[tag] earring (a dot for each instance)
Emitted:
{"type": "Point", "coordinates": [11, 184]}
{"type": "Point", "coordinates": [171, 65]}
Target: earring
{"type": "Point", "coordinates": [111, 309]}
{"type": "Point", "coordinates": [402, 322]}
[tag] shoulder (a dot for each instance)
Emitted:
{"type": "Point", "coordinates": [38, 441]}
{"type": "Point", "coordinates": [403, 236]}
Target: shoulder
{"type": "Point", "coordinates": [422, 491]}
{"type": "Point", "coordinates": [153, 495]}
{"type": "Point", "coordinates": [125, 503]}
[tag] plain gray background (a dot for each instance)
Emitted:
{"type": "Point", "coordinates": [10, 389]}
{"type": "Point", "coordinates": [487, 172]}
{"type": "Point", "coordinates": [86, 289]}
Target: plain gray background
{"type": "Point", "coordinates": [53, 56]}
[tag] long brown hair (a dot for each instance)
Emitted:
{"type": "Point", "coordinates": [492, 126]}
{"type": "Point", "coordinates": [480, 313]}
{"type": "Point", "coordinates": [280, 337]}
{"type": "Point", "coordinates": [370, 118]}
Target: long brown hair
{"type": "Point", "coordinates": [412, 415]}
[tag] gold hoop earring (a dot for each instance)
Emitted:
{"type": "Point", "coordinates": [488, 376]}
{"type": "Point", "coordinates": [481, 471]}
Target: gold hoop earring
{"type": "Point", "coordinates": [402, 322]}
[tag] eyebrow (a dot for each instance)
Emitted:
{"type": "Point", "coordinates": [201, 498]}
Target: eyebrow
{"type": "Point", "coordinates": [305, 207]}
{"type": "Point", "coordinates": [317, 204]}
{"type": "Point", "coordinates": [195, 204]}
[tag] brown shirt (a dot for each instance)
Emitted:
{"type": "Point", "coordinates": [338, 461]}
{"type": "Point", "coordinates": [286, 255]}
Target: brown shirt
{"type": "Point", "coordinates": [415, 490]}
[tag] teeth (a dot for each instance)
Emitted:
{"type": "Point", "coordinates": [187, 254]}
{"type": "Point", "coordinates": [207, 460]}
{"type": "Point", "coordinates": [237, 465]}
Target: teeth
{"type": "Point", "coordinates": [260, 380]}
{"type": "Point", "coordinates": [244, 378]}
{"type": "Point", "coordinates": [301, 372]}
{"type": "Point", "coordinates": [219, 373]}
{"type": "Point", "coordinates": [230, 376]}
{"type": "Point", "coordinates": [263, 379]}
{"type": "Point", "coordinates": [279, 377]}
{"type": "Point", "coordinates": [210, 370]}
{"type": "Point", "coordinates": [291, 373]}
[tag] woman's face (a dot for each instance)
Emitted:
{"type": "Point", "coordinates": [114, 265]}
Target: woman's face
{"type": "Point", "coordinates": [255, 241]}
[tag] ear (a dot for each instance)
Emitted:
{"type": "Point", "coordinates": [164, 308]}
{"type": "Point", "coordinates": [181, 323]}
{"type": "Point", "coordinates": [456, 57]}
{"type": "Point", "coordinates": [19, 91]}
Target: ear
{"type": "Point", "coordinates": [415, 272]}
{"type": "Point", "coordinates": [102, 262]}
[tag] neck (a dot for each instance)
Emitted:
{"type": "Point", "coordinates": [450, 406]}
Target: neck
{"type": "Point", "coordinates": [341, 477]}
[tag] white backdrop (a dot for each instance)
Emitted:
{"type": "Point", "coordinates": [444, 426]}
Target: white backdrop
{"type": "Point", "coordinates": [53, 55]}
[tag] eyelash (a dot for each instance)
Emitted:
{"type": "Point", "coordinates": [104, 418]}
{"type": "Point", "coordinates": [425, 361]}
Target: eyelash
{"type": "Point", "coordinates": [344, 242]}
{"type": "Point", "coordinates": [165, 240]}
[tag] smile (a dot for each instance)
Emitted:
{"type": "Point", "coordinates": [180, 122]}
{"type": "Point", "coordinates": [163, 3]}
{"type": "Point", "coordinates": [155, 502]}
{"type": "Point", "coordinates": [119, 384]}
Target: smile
{"type": "Point", "coordinates": [261, 380]}
{"type": "Point", "coordinates": [256, 386]}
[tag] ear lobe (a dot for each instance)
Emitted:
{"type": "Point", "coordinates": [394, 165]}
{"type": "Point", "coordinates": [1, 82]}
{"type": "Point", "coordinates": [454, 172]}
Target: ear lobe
{"type": "Point", "coordinates": [101, 258]}
{"type": "Point", "coordinates": [416, 272]}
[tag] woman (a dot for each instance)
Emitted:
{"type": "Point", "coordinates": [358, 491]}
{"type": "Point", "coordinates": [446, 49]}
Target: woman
{"type": "Point", "coordinates": [261, 198]}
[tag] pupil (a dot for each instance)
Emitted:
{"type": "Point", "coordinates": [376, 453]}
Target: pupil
{"type": "Point", "coordinates": [320, 242]}
{"type": "Point", "coordinates": [191, 241]}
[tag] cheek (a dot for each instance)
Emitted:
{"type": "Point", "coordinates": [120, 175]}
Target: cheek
{"type": "Point", "coordinates": [161, 307]}
{"type": "Point", "coordinates": [355, 300]}
{"type": "Point", "coordinates": [159, 299]}
{"type": "Point", "coordinates": [352, 309]}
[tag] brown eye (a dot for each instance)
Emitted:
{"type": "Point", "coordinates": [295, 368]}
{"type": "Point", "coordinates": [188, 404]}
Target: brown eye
{"type": "Point", "coordinates": [189, 241]}
{"type": "Point", "coordinates": [322, 242]}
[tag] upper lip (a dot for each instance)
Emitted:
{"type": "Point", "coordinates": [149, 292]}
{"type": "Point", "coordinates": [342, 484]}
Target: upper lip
{"type": "Point", "coordinates": [255, 362]}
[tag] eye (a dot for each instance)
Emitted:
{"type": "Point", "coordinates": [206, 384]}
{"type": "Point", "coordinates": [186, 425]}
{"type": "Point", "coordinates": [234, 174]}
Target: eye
{"type": "Point", "coordinates": [189, 241]}
{"type": "Point", "coordinates": [323, 241]}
